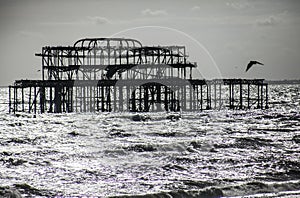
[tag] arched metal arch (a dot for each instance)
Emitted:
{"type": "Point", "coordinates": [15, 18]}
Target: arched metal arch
{"type": "Point", "coordinates": [88, 41]}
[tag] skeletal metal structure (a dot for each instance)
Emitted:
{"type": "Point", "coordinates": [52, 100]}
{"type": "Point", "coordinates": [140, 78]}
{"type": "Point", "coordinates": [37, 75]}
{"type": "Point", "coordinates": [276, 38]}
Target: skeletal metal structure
{"type": "Point", "coordinates": [118, 74]}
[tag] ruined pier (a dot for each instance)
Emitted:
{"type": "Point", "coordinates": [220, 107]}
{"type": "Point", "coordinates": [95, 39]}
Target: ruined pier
{"type": "Point", "coordinates": [118, 74]}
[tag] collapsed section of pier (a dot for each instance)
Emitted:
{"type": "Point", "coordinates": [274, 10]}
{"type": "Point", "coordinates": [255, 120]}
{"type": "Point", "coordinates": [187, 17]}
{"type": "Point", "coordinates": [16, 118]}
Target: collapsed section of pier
{"type": "Point", "coordinates": [118, 74]}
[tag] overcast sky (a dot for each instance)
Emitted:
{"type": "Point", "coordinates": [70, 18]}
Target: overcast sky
{"type": "Point", "coordinates": [220, 35]}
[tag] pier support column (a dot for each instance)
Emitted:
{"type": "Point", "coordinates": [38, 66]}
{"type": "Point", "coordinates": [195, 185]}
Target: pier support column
{"type": "Point", "coordinates": [248, 96]}
{"type": "Point", "coordinates": [215, 95]}
{"type": "Point", "coordinates": [258, 96]}
{"type": "Point", "coordinates": [9, 99]}
{"type": "Point", "coordinates": [267, 97]}
{"type": "Point", "coordinates": [15, 99]}
{"type": "Point", "coordinates": [29, 101]}
{"type": "Point", "coordinates": [230, 96]}
{"type": "Point", "coordinates": [42, 99]}
{"type": "Point", "coordinates": [57, 99]}
{"type": "Point", "coordinates": [23, 108]}
{"type": "Point", "coordinates": [35, 98]}
{"type": "Point", "coordinates": [241, 95]}
{"type": "Point", "coordinates": [262, 96]}
{"type": "Point", "coordinates": [120, 98]}
{"type": "Point", "coordinates": [208, 96]}
{"type": "Point", "coordinates": [201, 97]}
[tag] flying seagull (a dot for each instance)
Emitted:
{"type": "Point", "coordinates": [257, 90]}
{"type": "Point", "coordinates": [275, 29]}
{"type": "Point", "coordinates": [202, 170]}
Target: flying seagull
{"type": "Point", "coordinates": [251, 63]}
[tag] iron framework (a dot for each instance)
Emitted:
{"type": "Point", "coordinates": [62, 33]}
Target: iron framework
{"type": "Point", "coordinates": [118, 74]}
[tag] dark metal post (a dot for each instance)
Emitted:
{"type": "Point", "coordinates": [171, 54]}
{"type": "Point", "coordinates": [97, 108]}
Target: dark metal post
{"type": "Point", "coordinates": [215, 94]}
{"type": "Point", "coordinates": [241, 95]}
{"type": "Point", "coordinates": [258, 97]}
{"type": "Point", "coordinates": [9, 100]}
{"type": "Point", "coordinates": [29, 102]}
{"type": "Point", "coordinates": [262, 95]}
{"type": "Point", "coordinates": [23, 109]}
{"type": "Point", "coordinates": [201, 97]}
{"type": "Point", "coordinates": [267, 102]}
{"type": "Point", "coordinates": [16, 99]}
{"type": "Point", "coordinates": [232, 98]}
{"type": "Point", "coordinates": [35, 98]}
{"type": "Point", "coordinates": [207, 96]}
{"type": "Point", "coordinates": [230, 106]}
{"type": "Point", "coordinates": [248, 95]}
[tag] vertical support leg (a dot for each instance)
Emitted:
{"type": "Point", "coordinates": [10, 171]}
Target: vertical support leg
{"type": "Point", "coordinates": [241, 95]}
{"type": "Point", "coordinates": [197, 97]}
{"type": "Point", "coordinates": [215, 95]}
{"type": "Point", "coordinates": [201, 97]}
{"type": "Point", "coordinates": [63, 93]}
{"type": "Point", "coordinates": [146, 99]}
{"type": "Point", "coordinates": [267, 97]}
{"type": "Point", "coordinates": [80, 98]}
{"type": "Point", "coordinates": [258, 96]}
{"type": "Point", "coordinates": [121, 98]}
{"type": "Point", "coordinates": [109, 99]}
{"type": "Point", "coordinates": [133, 101]}
{"type": "Point", "coordinates": [84, 98]}
{"type": "Point", "coordinates": [248, 95]}
{"type": "Point", "coordinates": [184, 98]}
{"type": "Point", "coordinates": [15, 99]}
{"type": "Point", "coordinates": [128, 97]}
{"type": "Point", "coordinates": [9, 99]}
{"type": "Point", "coordinates": [114, 89]}
{"type": "Point", "coordinates": [71, 99]}
{"type": "Point", "coordinates": [262, 96]}
{"type": "Point", "coordinates": [57, 99]}
{"type": "Point", "coordinates": [102, 98]}
{"type": "Point", "coordinates": [91, 99]}
{"type": "Point", "coordinates": [42, 99]}
{"type": "Point", "coordinates": [140, 98]}
{"type": "Point", "coordinates": [50, 100]}
{"type": "Point", "coordinates": [76, 98]}
{"type": "Point", "coordinates": [35, 98]}
{"type": "Point", "coordinates": [220, 95]}
{"type": "Point", "coordinates": [29, 102]}
{"type": "Point", "coordinates": [23, 108]}
{"type": "Point", "coordinates": [97, 98]}
{"type": "Point", "coordinates": [166, 98]}
{"type": "Point", "coordinates": [230, 96]}
{"type": "Point", "coordinates": [207, 96]}
{"type": "Point", "coordinates": [191, 97]}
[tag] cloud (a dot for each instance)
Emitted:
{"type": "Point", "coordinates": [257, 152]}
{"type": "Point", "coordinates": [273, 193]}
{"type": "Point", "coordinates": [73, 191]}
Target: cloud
{"type": "Point", "coordinates": [89, 20]}
{"type": "Point", "coordinates": [275, 19]}
{"type": "Point", "coordinates": [30, 34]}
{"type": "Point", "coordinates": [269, 21]}
{"type": "Point", "coordinates": [195, 8]}
{"type": "Point", "coordinates": [98, 20]}
{"type": "Point", "coordinates": [239, 5]}
{"type": "Point", "coordinates": [149, 12]}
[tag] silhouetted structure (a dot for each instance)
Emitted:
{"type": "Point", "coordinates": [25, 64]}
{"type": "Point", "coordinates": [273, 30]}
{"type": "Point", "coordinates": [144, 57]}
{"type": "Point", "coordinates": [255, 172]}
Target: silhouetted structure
{"type": "Point", "coordinates": [118, 74]}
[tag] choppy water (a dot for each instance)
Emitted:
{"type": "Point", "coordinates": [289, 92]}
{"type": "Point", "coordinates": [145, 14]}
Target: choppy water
{"type": "Point", "coordinates": [204, 154]}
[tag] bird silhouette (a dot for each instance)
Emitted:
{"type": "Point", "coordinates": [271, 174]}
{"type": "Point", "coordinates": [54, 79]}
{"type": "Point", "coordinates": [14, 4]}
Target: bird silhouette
{"type": "Point", "coordinates": [251, 63]}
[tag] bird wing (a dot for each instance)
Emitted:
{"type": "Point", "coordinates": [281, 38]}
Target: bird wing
{"type": "Point", "coordinates": [249, 65]}
{"type": "Point", "coordinates": [256, 62]}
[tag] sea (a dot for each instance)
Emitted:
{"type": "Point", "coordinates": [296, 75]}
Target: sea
{"type": "Point", "coordinates": [213, 153]}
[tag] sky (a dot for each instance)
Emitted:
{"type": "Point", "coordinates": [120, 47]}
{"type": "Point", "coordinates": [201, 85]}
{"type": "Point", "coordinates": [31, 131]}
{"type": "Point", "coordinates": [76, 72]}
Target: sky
{"type": "Point", "coordinates": [222, 36]}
